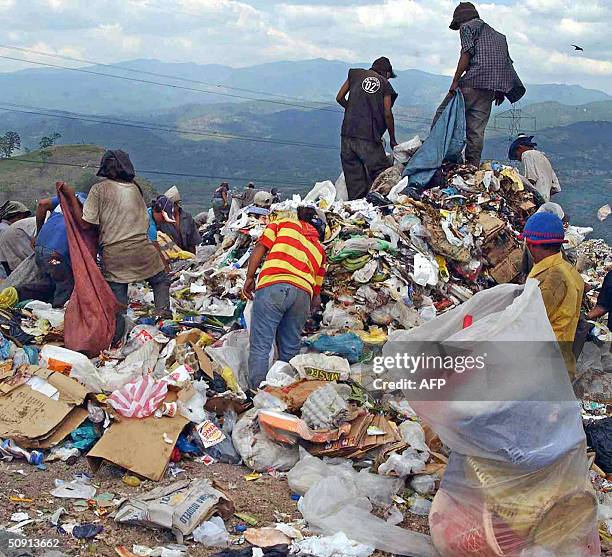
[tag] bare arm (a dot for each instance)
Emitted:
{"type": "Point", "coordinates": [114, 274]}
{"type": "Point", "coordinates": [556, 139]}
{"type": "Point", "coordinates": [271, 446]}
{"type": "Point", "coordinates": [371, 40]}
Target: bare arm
{"type": "Point", "coordinates": [259, 252]}
{"type": "Point", "coordinates": [76, 207]}
{"type": "Point", "coordinates": [43, 207]}
{"type": "Point", "coordinates": [390, 120]}
{"type": "Point", "coordinates": [341, 96]}
{"type": "Point", "coordinates": [596, 312]}
{"type": "Point", "coordinates": [462, 66]}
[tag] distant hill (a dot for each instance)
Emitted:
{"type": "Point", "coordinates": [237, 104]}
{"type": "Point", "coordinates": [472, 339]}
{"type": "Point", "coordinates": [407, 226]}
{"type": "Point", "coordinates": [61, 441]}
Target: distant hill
{"type": "Point", "coordinates": [32, 176]}
{"type": "Point", "coordinates": [316, 80]}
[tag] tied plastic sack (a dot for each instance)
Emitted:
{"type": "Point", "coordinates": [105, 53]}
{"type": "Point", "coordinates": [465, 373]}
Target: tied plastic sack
{"type": "Point", "coordinates": [257, 450]}
{"type": "Point", "coordinates": [347, 345]}
{"type": "Point", "coordinates": [212, 533]}
{"type": "Point", "coordinates": [511, 487]}
{"type": "Point", "coordinates": [139, 399]}
{"type": "Point", "coordinates": [320, 366]}
{"type": "Point", "coordinates": [89, 322]}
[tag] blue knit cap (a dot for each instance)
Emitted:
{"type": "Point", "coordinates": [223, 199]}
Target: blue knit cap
{"type": "Point", "coordinates": [543, 228]}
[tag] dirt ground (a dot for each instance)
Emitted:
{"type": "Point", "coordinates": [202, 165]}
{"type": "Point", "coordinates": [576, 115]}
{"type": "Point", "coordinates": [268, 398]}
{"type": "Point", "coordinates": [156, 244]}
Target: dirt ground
{"type": "Point", "coordinates": [264, 498]}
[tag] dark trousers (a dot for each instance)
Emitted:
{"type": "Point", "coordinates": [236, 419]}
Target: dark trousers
{"type": "Point", "coordinates": [58, 271]}
{"type": "Point", "coordinates": [362, 162]}
{"type": "Point", "coordinates": [159, 283]}
{"type": "Point", "coordinates": [478, 104]}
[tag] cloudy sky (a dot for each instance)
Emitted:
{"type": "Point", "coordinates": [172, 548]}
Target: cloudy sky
{"type": "Point", "coordinates": [413, 33]}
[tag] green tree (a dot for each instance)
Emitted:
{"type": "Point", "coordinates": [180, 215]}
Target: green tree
{"type": "Point", "coordinates": [49, 140]}
{"type": "Point", "coordinates": [9, 142]}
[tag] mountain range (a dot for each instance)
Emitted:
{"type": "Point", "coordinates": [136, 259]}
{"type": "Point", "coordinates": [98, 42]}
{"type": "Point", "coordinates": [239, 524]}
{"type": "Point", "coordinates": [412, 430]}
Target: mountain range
{"type": "Point", "coordinates": [190, 137]}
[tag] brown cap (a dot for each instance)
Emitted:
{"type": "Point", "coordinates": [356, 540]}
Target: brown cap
{"type": "Point", "coordinates": [383, 65]}
{"type": "Point", "coordinates": [465, 11]}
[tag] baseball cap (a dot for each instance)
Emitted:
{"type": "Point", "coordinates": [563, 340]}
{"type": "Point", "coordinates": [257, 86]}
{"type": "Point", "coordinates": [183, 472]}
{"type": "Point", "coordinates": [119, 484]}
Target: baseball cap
{"type": "Point", "coordinates": [383, 64]}
{"type": "Point", "coordinates": [263, 199]}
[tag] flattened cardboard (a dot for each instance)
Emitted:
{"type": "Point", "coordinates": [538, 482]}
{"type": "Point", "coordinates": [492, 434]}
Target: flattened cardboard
{"type": "Point", "coordinates": [28, 414]}
{"type": "Point", "coordinates": [138, 445]}
{"type": "Point", "coordinates": [71, 391]}
{"type": "Point", "coordinates": [65, 428]}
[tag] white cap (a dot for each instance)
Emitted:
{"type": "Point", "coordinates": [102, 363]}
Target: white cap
{"type": "Point", "coordinates": [173, 194]}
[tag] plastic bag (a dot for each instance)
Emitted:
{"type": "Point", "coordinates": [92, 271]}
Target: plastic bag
{"type": "Point", "coordinates": [334, 505]}
{"type": "Point", "coordinates": [234, 354]}
{"type": "Point", "coordinates": [320, 366]}
{"type": "Point", "coordinates": [43, 310]}
{"type": "Point", "coordinates": [347, 345]}
{"type": "Point", "coordinates": [193, 408]}
{"type": "Point", "coordinates": [281, 374]}
{"type": "Point", "coordinates": [337, 545]}
{"type": "Point", "coordinates": [139, 399]}
{"type": "Point", "coordinates": [310, 469]}
{"type": "Point", "coordinates": [324, 192]}
{"type": "Point", "coordinates": [404, 464]}
{"type": "Point", "coordinates": [258, 451]}
{"type": "Point", "coordinates": [512, 487]}
{"type": "Point", "coordinates": [341, 191]}
{"type": "Point", "coordinates": [212, 533]}
{"type": "Point", "coordinates": [413, 434]}
{"type": "Point", "coordinates": [403, 151]}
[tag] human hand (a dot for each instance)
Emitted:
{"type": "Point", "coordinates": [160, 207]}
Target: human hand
{"type": "Point", "coordinates": [453, 88]}
{"type": "Point", "coordinates": [315, 303]}
{"type": "Point", "coordinates": [248, 288]}
{"type": "Point", "coordinates": [64, 187]}
{"type": "Point", "coordinates": [499, 98]}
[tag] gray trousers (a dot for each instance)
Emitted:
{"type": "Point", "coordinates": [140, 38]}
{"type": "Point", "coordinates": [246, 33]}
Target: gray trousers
{"type": "Point", "coordinates": [159, 283]}
{"type": "Point", "coordinates": [362, 162]}
{"type": "Point", "coordinates": [478, 104]}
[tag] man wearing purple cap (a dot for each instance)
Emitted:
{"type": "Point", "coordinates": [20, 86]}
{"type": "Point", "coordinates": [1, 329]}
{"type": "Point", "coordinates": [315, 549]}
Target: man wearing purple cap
{"type": "Point", "coordinates": [485, 73]}
{"type": "Point", "coordinates": [560, 284]}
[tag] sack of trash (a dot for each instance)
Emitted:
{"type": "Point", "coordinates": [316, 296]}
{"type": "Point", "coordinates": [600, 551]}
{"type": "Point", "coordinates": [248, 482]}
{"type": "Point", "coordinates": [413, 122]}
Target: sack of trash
{"type": "Point", "coordinates": [517, 478]}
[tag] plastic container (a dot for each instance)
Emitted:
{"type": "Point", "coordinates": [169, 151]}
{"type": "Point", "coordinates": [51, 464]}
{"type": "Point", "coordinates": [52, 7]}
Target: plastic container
{"type": "Point", "coordinates": [66, 361]}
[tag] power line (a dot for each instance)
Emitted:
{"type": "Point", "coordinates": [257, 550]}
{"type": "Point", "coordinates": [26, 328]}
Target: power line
{"type": "Point", "coordinates": [192, 89]}
{"type": "Point", "coordinates": [92, 118]}
{"type": "Point", "coordinates": [162, 173]}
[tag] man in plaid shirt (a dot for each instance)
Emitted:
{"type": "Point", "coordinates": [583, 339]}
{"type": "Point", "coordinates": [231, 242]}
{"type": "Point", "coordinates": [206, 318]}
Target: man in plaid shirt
{"type": "Point", "coordinates": [485, 73]}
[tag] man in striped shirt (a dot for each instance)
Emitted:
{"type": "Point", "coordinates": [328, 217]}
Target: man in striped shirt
{"type": "Point", "coordinates": [288, 287]}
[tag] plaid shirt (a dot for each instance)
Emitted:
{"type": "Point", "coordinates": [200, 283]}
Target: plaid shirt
{"type": "Point", "coordinates": [490, 67]}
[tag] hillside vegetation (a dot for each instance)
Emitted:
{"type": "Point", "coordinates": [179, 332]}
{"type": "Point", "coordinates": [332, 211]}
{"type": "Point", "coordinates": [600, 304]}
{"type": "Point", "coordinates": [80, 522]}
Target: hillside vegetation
{"type": "Point", "coordinates": [32, 176]}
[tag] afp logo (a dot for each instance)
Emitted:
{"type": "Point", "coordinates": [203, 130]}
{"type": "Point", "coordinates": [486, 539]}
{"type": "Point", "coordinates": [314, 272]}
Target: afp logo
{"type": "Point", "coordinates": [371, 85]}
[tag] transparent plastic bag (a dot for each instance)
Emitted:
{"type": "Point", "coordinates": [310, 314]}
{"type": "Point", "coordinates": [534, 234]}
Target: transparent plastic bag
{"type": "Point", "coordinates": [334, 505]}
{"type": "Point", "coordinates": [257, 450]}
{"type": "Point", "coordinates": [517, 479]}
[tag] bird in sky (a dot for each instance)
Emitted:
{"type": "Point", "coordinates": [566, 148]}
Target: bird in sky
{"type": "Point", "coordinates": [576, 47]}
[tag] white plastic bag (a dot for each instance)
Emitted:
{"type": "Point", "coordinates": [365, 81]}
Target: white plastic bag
{"type": "Point", "coordinates": [42, 310]}
{"type": "Point", "coordinates": [337, 545]}
{"type": "Point", "coordinates": [413, 434]}
{"type": "Point", "coordinates": [322, 191]}
{"type": "Point", "coordinates": [321, 366]}
{"type": "Point", "coordinates": [333, 505]}
{"type": "Point", "coordinates": [257, 450]}
{"type": "Point", "coordinates": [212, 533]}
{"type": "Point", "coordinates": [403, 151]}
{"type": "Point", "coordinates": [341, 191]}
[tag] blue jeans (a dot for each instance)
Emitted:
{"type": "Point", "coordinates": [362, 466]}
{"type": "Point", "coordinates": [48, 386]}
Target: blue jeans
{"type": "Point", "coordinates": [280, 312]}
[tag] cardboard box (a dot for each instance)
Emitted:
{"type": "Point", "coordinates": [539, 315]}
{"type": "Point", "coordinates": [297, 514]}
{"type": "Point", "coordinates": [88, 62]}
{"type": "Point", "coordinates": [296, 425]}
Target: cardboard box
{"type": "Point", "coordinates": [33, 419]}
{"type": "Point", "coordinates": [138, 445]}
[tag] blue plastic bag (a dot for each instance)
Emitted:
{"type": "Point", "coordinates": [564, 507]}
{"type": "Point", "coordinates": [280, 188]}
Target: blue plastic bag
{"type": "Point", "coordinates": [347, 345]}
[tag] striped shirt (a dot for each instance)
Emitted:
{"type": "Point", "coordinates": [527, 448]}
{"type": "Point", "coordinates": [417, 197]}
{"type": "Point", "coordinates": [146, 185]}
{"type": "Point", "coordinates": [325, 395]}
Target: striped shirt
{"type": "Point", "coordinates": [295, 256]}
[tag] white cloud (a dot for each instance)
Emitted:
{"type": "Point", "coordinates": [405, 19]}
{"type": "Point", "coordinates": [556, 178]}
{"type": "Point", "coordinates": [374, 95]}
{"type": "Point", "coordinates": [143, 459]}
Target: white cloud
{"type": "Point", "coordinates": [413, 33]}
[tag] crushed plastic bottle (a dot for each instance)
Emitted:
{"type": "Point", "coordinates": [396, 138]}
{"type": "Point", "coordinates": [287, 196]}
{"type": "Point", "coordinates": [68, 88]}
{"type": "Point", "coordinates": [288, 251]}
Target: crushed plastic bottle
{"type": "Point", "coordinates": [9, 448]}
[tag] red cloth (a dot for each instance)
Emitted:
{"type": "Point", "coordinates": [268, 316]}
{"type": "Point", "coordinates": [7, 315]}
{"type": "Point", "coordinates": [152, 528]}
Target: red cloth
{"type": "Point", "coordinates": [89, 323]}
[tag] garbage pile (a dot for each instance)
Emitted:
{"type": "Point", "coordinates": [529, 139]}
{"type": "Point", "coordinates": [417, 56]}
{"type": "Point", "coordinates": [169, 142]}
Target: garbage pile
{"type": "Point", "coordinates": [177, 389]}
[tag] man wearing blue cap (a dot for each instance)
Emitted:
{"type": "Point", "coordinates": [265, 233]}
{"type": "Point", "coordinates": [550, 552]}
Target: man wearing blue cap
{"type": "Point", "coordinates": [560, 284]}
{"type": "Point", "coordinates": [537, 168]}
